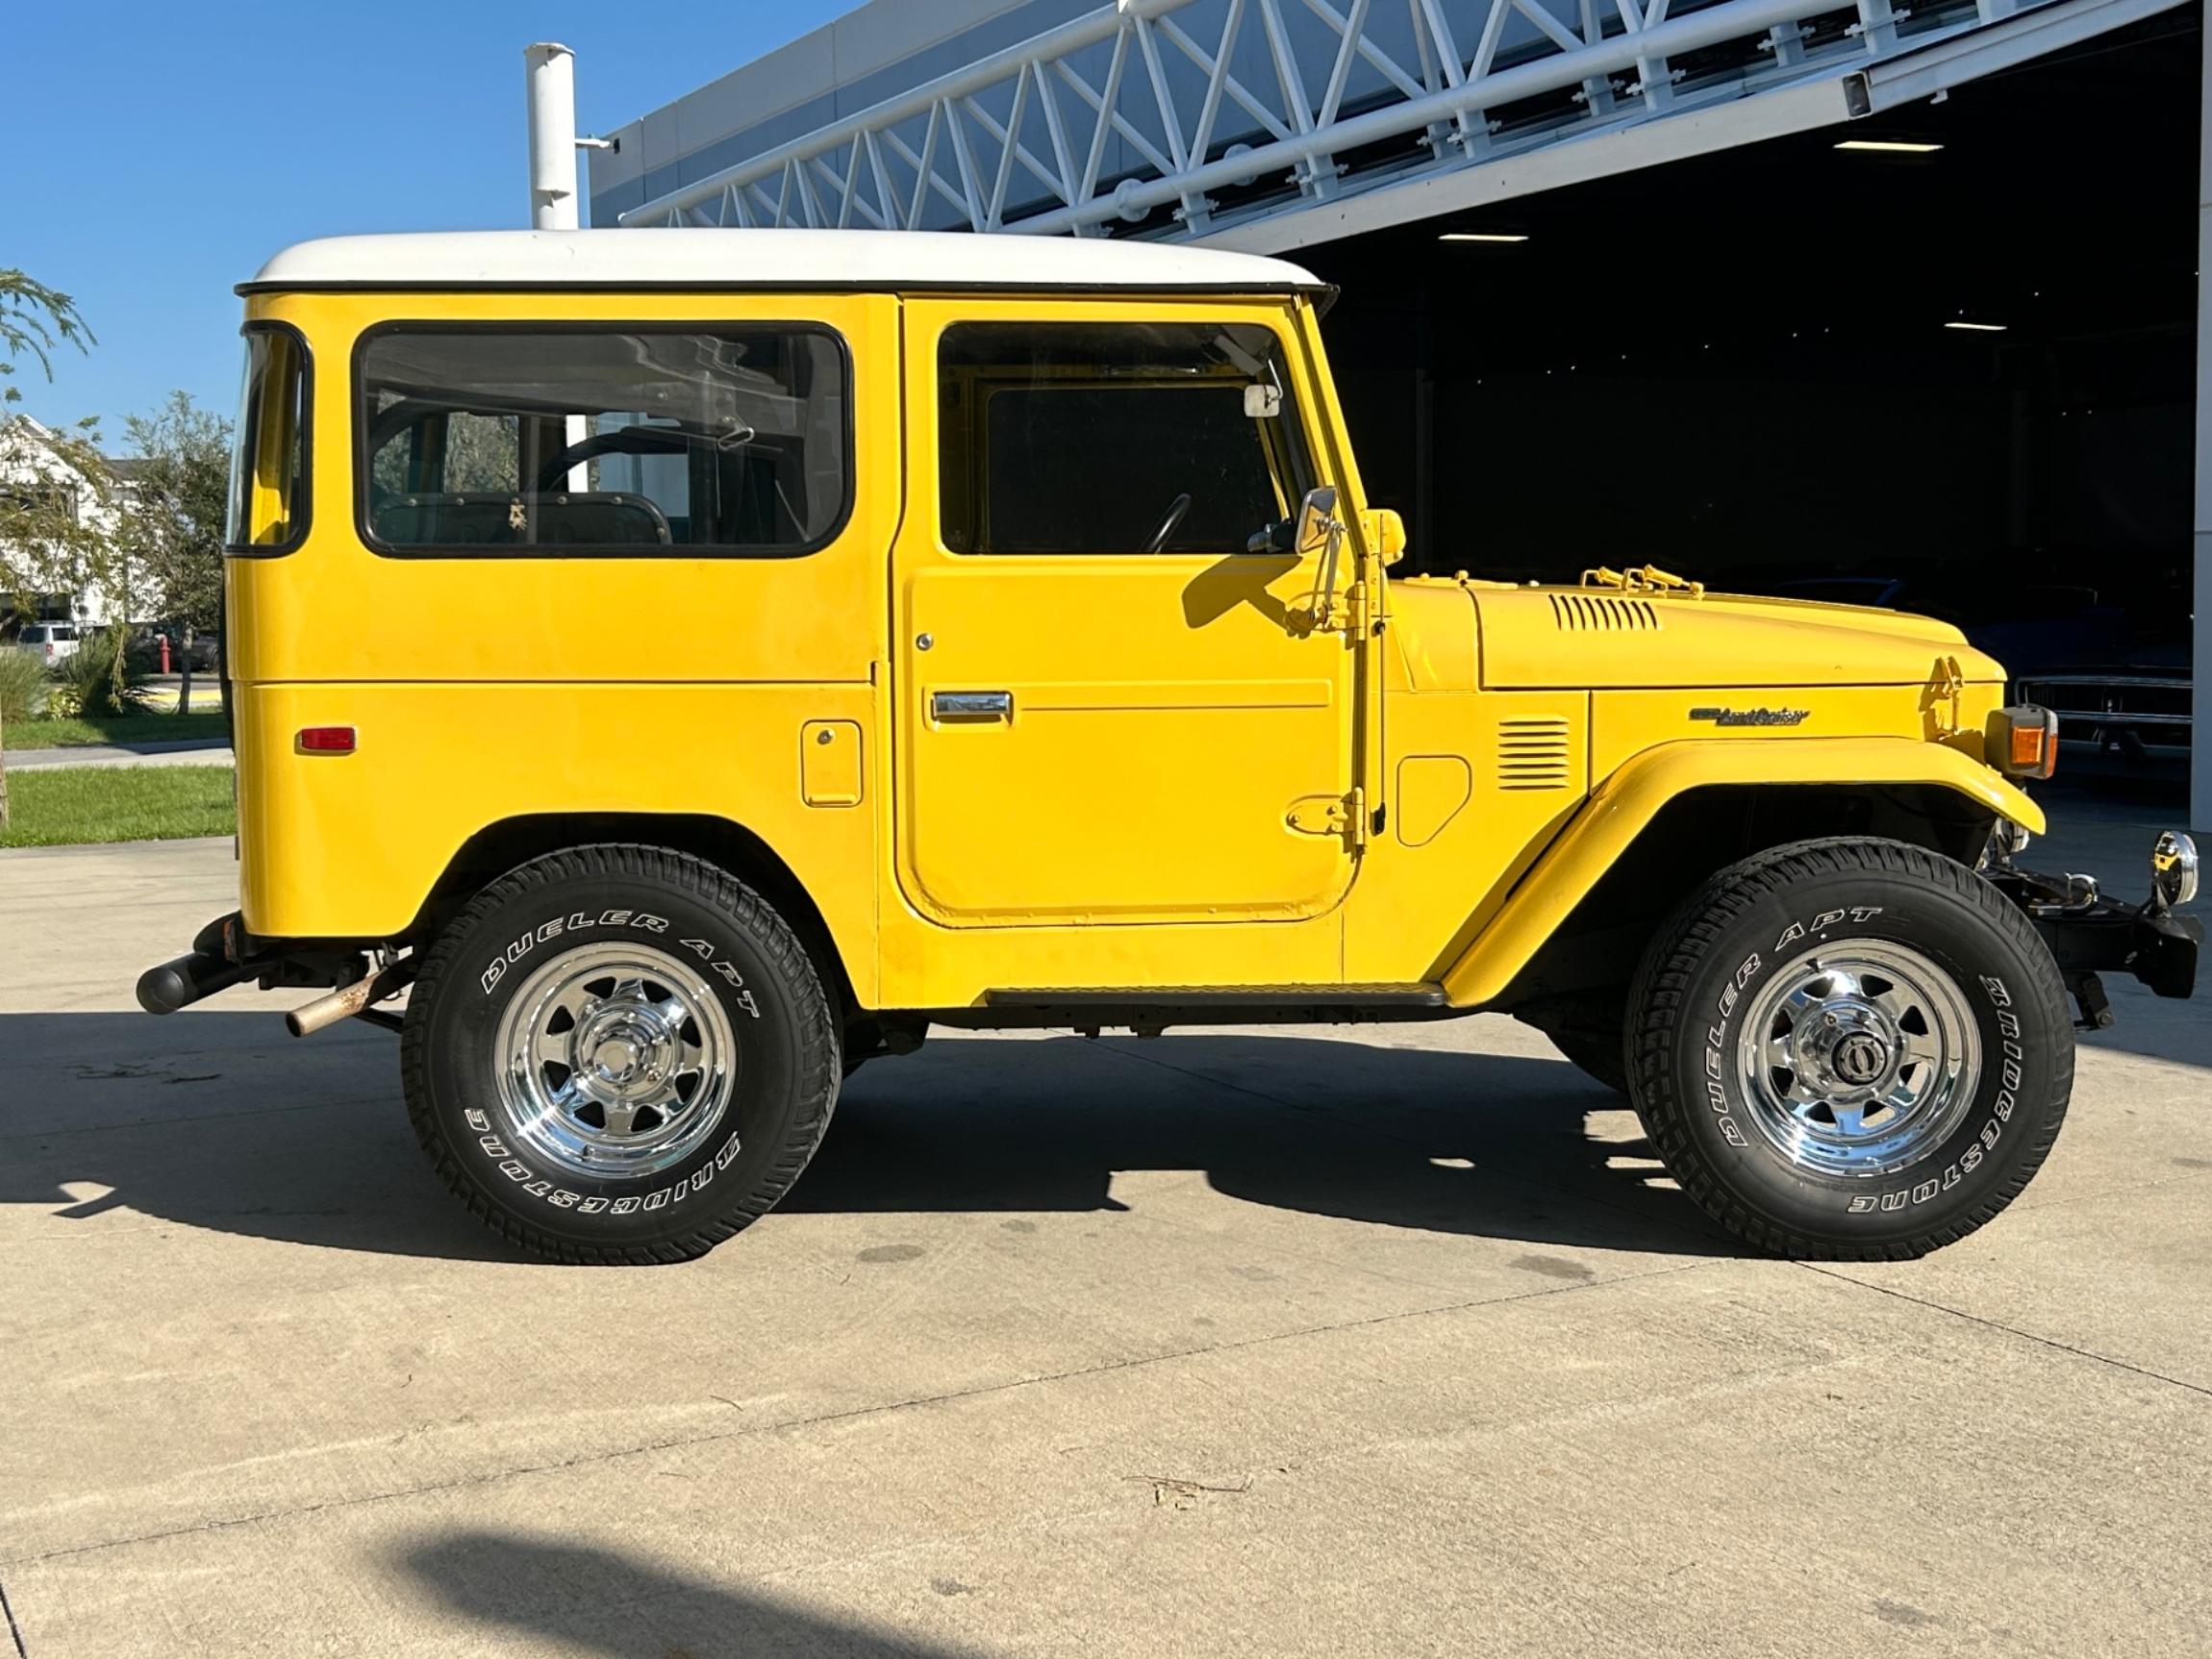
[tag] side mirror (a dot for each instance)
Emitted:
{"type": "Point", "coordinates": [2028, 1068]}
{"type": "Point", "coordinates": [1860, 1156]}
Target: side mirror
{"type": "Point", "coordinates": [1320, 531]}
{"type": "Point", "coordinates": [1317, 523]}
{"type": "Point", "coordinates": [1384, 533]}
{"type": "Point", "coordinates": [1314, 530]}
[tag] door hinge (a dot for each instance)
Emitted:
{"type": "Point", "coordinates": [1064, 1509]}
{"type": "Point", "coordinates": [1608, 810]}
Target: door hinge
{"type": "Point", "coordinates": [1343, 815]}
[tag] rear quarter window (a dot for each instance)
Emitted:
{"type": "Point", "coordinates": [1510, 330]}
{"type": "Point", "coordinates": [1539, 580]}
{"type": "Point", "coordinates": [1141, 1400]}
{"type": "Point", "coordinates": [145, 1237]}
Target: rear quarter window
{"type": "Point", "coordinates": [270, 452]}
{"type": "Point", "coordinates": [621, 440]}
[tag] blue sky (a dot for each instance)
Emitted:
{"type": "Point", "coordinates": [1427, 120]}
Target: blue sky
{"type": "Point", "coordinates": [158, 153]}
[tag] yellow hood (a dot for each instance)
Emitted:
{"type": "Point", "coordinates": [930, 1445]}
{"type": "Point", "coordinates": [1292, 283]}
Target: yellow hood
{"type": "Point", "coordinates": [1606, 639]}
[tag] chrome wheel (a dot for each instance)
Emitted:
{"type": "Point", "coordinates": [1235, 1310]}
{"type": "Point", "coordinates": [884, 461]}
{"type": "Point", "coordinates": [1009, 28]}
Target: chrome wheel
{"type": "Point", "coordinates": [615, 1060]}
{"type": "Point", "coordinates": [1860, 1058]}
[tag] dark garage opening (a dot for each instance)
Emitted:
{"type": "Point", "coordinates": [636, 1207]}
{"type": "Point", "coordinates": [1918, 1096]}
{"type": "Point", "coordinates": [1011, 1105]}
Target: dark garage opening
{"type": "Point", "coordinates": [1739, 368]}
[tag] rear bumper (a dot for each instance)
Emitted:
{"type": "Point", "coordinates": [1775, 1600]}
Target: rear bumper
{"type": "Point", "coordinates": [226, 954]}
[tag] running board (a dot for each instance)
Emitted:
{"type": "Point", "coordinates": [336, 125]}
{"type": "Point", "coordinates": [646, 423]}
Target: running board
{"type": "Point", "coordinates": [1151, 1009]}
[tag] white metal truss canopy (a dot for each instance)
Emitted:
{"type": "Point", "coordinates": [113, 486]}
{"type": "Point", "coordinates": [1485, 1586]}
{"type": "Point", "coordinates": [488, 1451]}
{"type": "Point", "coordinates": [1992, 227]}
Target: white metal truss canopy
{"type": "Point", "coordinates": [1272, 124]}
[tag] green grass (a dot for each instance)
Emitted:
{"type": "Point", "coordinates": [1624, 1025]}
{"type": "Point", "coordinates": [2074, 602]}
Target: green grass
{"type": "Point", "coordinates": [71, 732]}
{"type": "Point", "coordinates": [62, 806]}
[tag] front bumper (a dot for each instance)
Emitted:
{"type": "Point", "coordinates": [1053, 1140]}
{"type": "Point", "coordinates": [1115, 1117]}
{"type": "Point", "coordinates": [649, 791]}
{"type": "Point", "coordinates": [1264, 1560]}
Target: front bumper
{"type": "Point", "coordinates": [2089, 935]}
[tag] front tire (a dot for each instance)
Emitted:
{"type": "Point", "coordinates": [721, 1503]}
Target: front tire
{"type": "Point", "coordinates": [1850, 1050]}
{"type": "Point", "coordinates": [620, 1055]}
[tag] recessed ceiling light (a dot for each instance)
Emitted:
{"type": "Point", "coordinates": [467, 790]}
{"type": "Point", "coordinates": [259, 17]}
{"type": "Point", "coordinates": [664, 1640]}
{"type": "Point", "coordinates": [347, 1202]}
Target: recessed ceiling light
{"type": "Point", "coordinates": [1979, 327]}
{"type": "Point", "coordinates": [1889, 148]}
{"type": "Point", "coordinates": [1481, 237]}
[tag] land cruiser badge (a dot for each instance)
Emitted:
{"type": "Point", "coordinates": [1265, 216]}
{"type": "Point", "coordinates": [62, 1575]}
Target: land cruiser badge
{"type": "Point", "coordinates": [1750, 716]}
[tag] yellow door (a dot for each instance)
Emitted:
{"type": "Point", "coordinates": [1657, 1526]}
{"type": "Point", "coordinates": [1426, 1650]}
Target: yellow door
{"type": "Point", "coordinates": [1107, 708]}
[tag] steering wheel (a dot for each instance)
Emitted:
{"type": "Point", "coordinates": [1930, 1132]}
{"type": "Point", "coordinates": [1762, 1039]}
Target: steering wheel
{"type": "Point", "coordinates": [1177, 511]}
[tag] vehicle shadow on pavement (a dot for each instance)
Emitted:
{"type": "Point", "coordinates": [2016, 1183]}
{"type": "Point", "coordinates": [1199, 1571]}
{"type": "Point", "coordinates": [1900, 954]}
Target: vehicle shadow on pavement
{"type": "Point", "coordinates": [1493, 1146]}
{"type": "Point", "coordinates": [595, 1601]}
{"type": "Point", "coordinates": [219, 1120]}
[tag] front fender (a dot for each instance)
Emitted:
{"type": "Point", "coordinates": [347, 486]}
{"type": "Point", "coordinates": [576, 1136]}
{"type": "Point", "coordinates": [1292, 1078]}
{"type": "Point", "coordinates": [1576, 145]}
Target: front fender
{"type": "Point", "coordinates": [1620, 809]}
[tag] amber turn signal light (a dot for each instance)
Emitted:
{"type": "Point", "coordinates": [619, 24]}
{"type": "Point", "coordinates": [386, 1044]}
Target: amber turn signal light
{"type": "Point", "coordinates": [2022, 741]}
{"type": "Point", "coordinates": [326, 740]}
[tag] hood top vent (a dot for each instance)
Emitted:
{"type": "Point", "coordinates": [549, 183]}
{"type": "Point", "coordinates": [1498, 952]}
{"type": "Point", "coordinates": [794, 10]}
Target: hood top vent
{"type": "Point", "coordinates": [1601, 614]}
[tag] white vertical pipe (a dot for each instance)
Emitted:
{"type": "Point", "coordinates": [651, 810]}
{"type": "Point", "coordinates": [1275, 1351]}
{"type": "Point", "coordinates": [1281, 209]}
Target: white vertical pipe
{"type": "Point", "coordinates": [550, 69]}
{"type": "Point", "coordinates": [2201, 626]}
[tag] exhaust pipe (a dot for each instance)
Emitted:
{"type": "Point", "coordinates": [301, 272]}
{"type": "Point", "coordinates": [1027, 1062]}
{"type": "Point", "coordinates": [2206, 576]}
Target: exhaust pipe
{"type": "Point", "coordinates": [190, 979]}
{"type": "Point", "coordinates": [349, 1000]}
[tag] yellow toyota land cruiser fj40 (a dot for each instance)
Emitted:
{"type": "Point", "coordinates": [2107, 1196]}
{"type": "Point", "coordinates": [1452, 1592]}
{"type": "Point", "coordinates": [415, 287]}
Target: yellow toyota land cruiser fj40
{"type": "Point", "coordinates": [695, 661]}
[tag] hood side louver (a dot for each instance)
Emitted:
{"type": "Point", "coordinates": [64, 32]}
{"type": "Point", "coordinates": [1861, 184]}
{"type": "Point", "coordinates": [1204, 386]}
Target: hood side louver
{"type": "Point", "coordinates": [1532, 753]}
{"type": "Point", "coordinates": [1600, 613]}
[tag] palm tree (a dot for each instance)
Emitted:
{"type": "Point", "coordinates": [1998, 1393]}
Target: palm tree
{"type": "Point", "coordinates": [35, 322]}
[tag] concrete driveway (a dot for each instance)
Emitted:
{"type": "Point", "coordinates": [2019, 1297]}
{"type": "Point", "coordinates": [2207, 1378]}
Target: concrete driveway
{"type": "Point", "coordinates": [1251, 1343]}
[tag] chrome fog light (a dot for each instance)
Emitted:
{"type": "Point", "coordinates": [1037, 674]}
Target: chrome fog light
{"type": "Point", "coordinates": [2174, 868]}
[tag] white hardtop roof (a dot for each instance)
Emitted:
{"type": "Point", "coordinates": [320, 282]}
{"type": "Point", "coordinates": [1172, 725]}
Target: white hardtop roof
{"type": "Point", "coordinates": [764, 259]}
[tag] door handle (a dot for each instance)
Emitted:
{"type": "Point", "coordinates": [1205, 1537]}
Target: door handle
{"type": "Point", "coordinates": [971, 705]}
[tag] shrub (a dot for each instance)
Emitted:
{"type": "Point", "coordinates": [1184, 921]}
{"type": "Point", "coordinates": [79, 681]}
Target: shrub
{"type": "Point", "coordinates": [96, 681]}
{"type": "Point", "coordinates": [22, 684]}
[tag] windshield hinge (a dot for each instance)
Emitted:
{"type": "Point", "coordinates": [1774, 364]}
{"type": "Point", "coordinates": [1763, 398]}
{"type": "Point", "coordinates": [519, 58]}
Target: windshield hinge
{"type": "Point", "coordinates": [1642, 579]}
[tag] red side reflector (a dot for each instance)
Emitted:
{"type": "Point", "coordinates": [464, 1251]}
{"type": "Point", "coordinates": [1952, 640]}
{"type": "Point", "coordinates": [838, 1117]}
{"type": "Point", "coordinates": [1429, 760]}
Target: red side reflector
{"type": "Point", "coordinates": [326, 740]}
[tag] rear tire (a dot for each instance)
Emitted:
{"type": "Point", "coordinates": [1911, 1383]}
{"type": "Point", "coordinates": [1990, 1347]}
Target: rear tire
{"type": "Point", "coordinates": [620, 1055]}
{"type": "Point", "coordinates": [1850, 1050]}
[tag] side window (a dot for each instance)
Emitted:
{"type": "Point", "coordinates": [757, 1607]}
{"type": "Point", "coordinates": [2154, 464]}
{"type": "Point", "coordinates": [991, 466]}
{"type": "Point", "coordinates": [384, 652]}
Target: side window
{"type": "Point", "coordinates": [1114, 438]}
{"type": "Point", "coordinates": [733, 440]}
{"type": "Point", "coordinates": [269, 498]}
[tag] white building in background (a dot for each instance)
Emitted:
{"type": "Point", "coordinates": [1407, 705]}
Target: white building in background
{"type": "Point", "coordinates": [34, 463]}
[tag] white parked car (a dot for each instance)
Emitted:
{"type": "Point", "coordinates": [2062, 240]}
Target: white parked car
{"type": "Point", "coordinates": [55, 642]}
